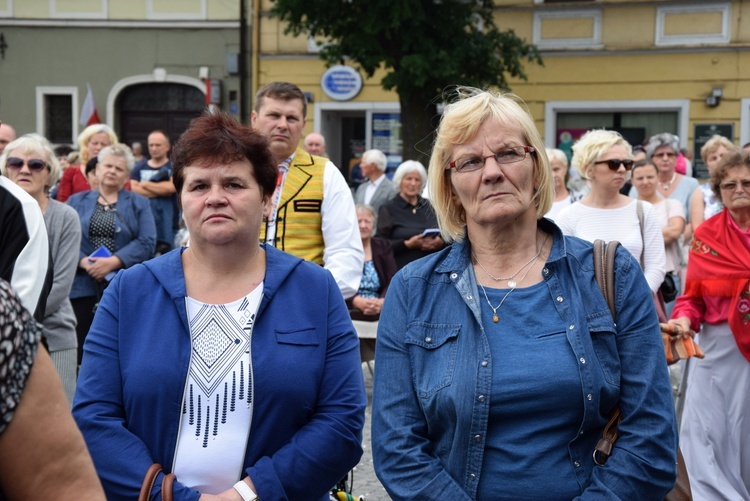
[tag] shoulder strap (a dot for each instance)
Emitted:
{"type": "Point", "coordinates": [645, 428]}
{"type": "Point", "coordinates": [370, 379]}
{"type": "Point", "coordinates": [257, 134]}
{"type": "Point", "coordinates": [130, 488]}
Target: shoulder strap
{"type": "Point", "coordinates": [604, 270]}
{"type": "Point", "coordinates": [639, 211]}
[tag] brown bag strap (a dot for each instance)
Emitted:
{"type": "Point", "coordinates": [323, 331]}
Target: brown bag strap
{"type": "Point", "coordinates": [148, 481]}
{"type": "Point", "coordinates": [604, 271]}
{"type": "Point", "coordinates": [166, 487]}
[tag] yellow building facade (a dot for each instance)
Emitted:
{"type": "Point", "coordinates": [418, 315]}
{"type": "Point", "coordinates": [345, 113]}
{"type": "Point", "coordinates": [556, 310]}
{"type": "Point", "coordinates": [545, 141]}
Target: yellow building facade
{"type": "Point", "coordinates": [640, 67]}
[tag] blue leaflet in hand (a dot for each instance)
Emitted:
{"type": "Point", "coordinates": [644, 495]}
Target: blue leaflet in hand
{"type": "Point", "coordinates": [103, 252]}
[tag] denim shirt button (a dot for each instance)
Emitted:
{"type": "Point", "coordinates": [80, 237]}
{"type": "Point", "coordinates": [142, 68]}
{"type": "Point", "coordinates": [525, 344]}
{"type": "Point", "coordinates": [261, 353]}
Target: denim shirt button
{"type": "Point", "coordinates": [469, 297]}
{"type": "Point", "coordinates": [480, 398]}
{"type": "Point", "coordinates": [576, 463]}
{"type": "Point", "coordinates": [589, 397]}
{"type": "Point", "coordinates": [428, 340]}
{"type": "Point", "coordinates": [545, 271]}
{"type": "Point", "coordinates": [477, 438]}
{"type": "Point", "coordinates": [572, 326]}
{"type": "Point", "coordinates": [559, 299]}
{"type": "Point", "coordinates": [473, 477]}
{"type": "Point", "coordinates": [484, 363]}
{"type": "Point", "coordinates": [454, 276]}
{"type": "Point", "coordinates": [583, 360]}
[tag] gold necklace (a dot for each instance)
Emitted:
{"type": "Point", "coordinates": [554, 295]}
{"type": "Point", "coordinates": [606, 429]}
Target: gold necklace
{"type": "Point", "coordinates": [495, 318]}
{"type": "Point", "coordinates": [511, 282]}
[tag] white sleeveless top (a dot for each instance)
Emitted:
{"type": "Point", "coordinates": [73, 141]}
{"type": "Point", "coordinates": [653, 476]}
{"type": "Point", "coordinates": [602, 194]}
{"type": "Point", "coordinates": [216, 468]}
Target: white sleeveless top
{"type": "Point", "coordinates": [218, 399]}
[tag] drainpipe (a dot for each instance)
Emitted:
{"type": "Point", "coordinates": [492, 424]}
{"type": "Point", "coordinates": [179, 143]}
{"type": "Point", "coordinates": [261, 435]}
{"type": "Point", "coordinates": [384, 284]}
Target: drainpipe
{"type": "Point", "coordinates": [243, 62]}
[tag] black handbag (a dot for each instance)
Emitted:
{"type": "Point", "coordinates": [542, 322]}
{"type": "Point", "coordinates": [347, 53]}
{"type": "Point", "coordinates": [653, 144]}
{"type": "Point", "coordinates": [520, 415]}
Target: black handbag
{"type": "Point", "coordinates": [668, 288]}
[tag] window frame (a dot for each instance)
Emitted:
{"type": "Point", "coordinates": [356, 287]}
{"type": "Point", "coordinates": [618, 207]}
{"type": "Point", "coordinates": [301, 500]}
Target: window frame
{"type": "Point", "coordinates": [41, 92]}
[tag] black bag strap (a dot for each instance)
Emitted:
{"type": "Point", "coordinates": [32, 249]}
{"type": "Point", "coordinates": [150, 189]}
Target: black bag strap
{"type": "Point", "coordinates": [604, 271]}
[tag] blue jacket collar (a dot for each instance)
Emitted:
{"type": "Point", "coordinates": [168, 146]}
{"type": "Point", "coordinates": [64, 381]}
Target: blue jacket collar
{"type": "Point", "coordinates": [169, 273]}
{"type": "Point", "coordinates": [459, 254]}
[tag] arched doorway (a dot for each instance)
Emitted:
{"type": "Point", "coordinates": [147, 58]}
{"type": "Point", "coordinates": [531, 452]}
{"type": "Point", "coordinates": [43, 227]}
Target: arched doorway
{"type": "Point", "coordinates": [168, 106]}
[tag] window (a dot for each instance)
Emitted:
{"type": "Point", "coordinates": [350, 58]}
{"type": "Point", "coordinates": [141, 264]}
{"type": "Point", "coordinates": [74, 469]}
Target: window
{"type": "Point", "coordinates": [57, 113]}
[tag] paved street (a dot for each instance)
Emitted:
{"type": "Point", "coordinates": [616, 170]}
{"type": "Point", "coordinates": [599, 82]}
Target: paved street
{"type": "Point", "coordinates": [365, 482]}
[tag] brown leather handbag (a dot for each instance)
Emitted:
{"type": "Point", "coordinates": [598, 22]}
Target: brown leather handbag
{"type": "Point", "coordinates": [150, 479]}
{"type": "Point", "coordinates": [604, 271]}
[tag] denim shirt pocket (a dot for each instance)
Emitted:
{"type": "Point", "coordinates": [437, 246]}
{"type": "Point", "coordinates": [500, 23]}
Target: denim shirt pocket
{"type": "Point", "coordinates": [432, 350]}
{"type": "Point", "coordinates": [301, 337]}
{"type": "Point", "coordinates": [604, 339]}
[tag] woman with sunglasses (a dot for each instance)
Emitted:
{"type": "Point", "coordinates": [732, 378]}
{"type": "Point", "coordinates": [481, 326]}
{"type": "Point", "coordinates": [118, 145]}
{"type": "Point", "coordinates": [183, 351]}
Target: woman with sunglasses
{"type": "Point", "coordinates": [30, 163]}
{"type": "Point", "coordinates": [603, 157]}
{"type": "Point", "coordinates": [118, 231]}
{"type": "Point", "coordinates": [498, 361]}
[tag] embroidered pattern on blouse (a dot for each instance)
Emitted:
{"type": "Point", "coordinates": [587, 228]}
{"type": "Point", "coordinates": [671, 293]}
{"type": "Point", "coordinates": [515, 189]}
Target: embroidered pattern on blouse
{"type": "Point", "coordinates": [219, 342]}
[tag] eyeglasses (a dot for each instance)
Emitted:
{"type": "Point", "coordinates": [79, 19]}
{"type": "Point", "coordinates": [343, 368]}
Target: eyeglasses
{"type": "Point", "coordinates": [34, 164]}
{"type": "Point", "coordinates": [504, 156]}
{"type": "Point", "coordinates": [669, 154]}
{"type": "Point", "coordinates": [732, 186]}
{"type": "Point", "coordinates": [614, 164]}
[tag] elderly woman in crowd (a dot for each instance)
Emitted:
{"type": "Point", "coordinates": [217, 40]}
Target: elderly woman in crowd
{"type": "Point", "coordinates": [380, 266]}
{"type": "Point", "coordinates": [117, 227]}
{"type": "Point", "coordinates": [715, 429]}
{"type": "Point", "coordinates": [558, 163]}
{"type": "Point", "coordinates": [671, 216]}
{"type": "Point", "coordinates": [233, 365]}
{"type": "Point", "coordinates": [703, 203]}
{"type": "Point", "coordinates": [30, 162]}
{"type": "Point", "coordinates": [663, 150]}
{"type": "Point", "coordinates": [504, 394]}
{"type": "Point", "coordinates": [603, 157]}
{"type": "Point", "coordinates": [406, 216]}
{"type": "Point", "coordinates": [90, 141]}
{"type": "Point", "coordinates": [42, 453]}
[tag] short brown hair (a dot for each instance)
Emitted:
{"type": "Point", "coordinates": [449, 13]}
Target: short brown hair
{"type": "Point", "coordinates": [283, 91]}
{"type": "Point", "coordinates": [733, 158]}
{"type": "Point", "coordinates": [217, 138]}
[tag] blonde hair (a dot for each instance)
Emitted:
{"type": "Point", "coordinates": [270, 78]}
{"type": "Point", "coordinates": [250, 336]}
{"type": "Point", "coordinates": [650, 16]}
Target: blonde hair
{"type": "Point", "coordinates": [713, 144]}
{"type": "Point", "coordinates": [460, 123]}
{"type": "Point", "coordinates": [89, 132]}
{"type": "Point", "coordinates": [592, 145]}
{"type": "Point", "coordinates": [33, 144]}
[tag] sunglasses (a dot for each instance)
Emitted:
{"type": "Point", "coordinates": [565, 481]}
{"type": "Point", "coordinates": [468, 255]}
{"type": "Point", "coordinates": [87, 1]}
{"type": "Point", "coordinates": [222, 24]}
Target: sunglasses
{"type": "Point", "coordinates": [35, 165]}
{"type": "Point", "coordinates": [614, 164]}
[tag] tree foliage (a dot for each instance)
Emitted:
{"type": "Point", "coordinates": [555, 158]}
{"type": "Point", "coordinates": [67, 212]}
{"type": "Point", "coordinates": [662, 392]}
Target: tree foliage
{"type": "Point", "coordinates": [425, 46]}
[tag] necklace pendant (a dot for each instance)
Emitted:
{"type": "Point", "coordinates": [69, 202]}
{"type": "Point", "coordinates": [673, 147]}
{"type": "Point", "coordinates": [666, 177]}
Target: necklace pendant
{"type": "Point", "coordinates": [512, 283]}
{"type": "Point", "coordinates": [495, 318]}
{"type": "Point", "coordinates": [414, 210]}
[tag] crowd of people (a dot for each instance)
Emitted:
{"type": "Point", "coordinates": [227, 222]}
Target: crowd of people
{"type": "Point", "coordinates": [225, 361]}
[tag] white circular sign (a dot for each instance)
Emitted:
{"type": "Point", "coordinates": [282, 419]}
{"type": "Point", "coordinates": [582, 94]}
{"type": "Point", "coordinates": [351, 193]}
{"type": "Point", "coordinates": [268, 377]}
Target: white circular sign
{"type": "Point", "coordinates": [341, 82]}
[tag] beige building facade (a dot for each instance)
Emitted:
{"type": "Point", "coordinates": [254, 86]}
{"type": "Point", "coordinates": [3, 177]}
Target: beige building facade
{"type": "Point", "coordinates": [637, 66]}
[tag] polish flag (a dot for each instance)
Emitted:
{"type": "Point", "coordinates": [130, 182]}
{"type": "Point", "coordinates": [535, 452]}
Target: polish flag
{"type": "Point", "coordinates": [88, 112]}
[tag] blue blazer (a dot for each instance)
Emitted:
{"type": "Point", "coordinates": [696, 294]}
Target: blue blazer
{"type": "Point", "coordinates": [135, 234]}
{"type": "Point", "coordinates": [309, 395]}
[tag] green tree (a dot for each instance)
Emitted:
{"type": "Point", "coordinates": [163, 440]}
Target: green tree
{"type": "Point", "coordinates": [425, 47]}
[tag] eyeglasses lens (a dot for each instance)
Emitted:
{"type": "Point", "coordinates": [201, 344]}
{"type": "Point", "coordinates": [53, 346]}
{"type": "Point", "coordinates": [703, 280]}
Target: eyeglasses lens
{"type": "Point", "coordinates": [34, 164]}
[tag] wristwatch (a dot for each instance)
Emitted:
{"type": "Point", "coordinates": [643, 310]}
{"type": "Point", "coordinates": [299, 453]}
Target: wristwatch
{"type": "Point", "coordinates": [245, 491]}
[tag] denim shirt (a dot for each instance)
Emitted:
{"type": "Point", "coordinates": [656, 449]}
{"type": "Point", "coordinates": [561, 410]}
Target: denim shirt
{"type": "Point", "coordinates": [432, 390]}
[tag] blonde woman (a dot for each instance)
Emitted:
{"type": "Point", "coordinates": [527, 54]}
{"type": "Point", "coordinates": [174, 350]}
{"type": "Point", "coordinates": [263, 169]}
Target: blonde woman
{"type": "Point", "coordinates": [604, 158]}
{"type": "Point", "coordinates": [90, 142]}
{"type": "Point", "coordinates": [703, 202]}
